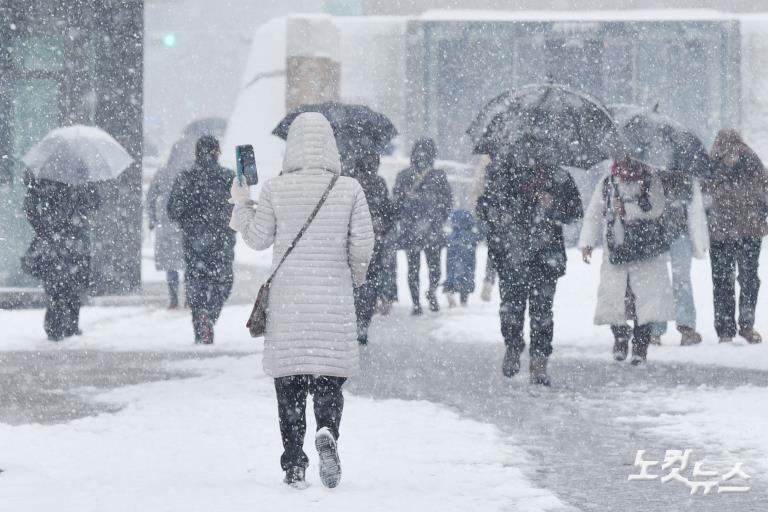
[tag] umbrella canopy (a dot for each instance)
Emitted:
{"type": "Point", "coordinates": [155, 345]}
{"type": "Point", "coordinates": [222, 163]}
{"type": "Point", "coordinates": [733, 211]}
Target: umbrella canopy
{"type": "Point", "coordinates": [76, 155]}
{"type": "Point", "coordinates": [356, 127]}
{"type": "Point", "coordinates": [569, 128]}
{"type": "Point", "coordinates": [660, 141]}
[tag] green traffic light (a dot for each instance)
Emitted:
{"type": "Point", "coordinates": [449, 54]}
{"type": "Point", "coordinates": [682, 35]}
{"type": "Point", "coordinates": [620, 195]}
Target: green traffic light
{"type": "Point", "coordinates": [169, 40]}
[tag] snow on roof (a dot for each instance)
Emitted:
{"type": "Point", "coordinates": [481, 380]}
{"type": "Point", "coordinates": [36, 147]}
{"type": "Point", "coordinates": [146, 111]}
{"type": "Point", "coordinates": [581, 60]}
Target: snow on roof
{"type": "Point", "coordinates": [627, 15]}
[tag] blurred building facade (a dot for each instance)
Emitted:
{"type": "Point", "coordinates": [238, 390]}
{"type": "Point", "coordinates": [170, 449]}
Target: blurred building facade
{"type": "Point", "coordinates": [62, 63]}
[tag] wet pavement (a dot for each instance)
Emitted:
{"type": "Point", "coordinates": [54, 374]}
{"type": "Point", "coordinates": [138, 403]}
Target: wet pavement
{"type": "Point", "coordinates": [578, 449]}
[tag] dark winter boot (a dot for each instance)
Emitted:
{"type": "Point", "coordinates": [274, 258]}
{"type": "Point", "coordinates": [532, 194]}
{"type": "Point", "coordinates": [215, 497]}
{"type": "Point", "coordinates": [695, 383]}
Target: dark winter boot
{"type": "Point", "coordinates": [752, 336]}
{"type": "Point", "coordinates": [417, 311]}
{"type": "Point", "coordinates": [295, 477]}
{"type": "Point", "coordinates": [330, 466]}
{"type": "Point", "coordinates": [689, 336]}
{"type": "Point", "coordinates": [203, 329]}
{"type": "Point", "coordinates": [620, 349]}
{"type": "Point", "coordinates": [511, 364]}
{"type": "Point", "coordinates": [538, 368]}
{"type": "Point", "coordinates": [434, 306]}
{"type": "Point", "coordinates": [362, 340]}
{"type": "Point", "coordinates": [639, 353]}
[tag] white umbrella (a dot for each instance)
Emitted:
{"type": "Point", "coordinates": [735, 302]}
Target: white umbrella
{"type": "Point", "coordinates": [76, 155]}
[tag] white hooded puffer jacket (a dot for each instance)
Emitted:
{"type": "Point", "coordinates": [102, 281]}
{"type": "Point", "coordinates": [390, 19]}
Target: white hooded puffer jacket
{"type": "Point", "coordinates": [311, 324]}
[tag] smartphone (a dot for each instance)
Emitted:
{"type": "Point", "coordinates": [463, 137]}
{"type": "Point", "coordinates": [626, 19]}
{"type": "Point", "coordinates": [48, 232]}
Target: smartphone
{"type": "Point", "coordinates": [246, 165]}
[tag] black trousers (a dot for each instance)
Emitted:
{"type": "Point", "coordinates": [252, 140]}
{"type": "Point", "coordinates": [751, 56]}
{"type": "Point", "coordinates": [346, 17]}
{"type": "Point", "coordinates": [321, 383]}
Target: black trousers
{"type": "Point", "coordinates": [292, 394]}
{"type": "Point", "coordinates": [726, 256]}
{"type": "Point", "coordinates": [172, 277]}
{"type": "Point", "coordinates": [534, 288]}
{"type": "Point", "coordinates": [366, 295]}
{"type": "Point", "coordinates": [414, 266]}
{"type": "Point", "coordinates": [641, 334]}
{"type": "Point", "coordinates": [206, 296]}
{"type": "Point", "coordinates": [62, 314]}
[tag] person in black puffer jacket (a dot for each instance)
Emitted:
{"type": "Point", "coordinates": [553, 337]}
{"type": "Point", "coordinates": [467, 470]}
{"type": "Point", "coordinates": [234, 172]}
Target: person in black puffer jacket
{"type": "Point", "coordinates": [198, 203]}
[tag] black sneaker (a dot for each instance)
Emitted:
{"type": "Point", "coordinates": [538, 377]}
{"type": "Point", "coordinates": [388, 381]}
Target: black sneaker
{"type": "Point", "coordinates": [330, 466]}
{"type": "Point", "coordinates": [511, 364]}
{"type": "Point", "coordinates": [417, 311]}
{"type": "Point", "coordinates": [295, 477]}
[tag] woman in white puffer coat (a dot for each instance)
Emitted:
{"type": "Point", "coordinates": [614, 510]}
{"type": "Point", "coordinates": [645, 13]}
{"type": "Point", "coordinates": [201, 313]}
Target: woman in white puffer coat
{"type": "Point", "coordinates": [310, 344]}
{"type": "Point", "coordinates": [638, 290]}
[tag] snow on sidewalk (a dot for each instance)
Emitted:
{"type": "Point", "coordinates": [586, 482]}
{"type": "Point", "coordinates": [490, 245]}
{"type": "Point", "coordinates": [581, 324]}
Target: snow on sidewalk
{"type": "Point", "coordinates": [212, 443]}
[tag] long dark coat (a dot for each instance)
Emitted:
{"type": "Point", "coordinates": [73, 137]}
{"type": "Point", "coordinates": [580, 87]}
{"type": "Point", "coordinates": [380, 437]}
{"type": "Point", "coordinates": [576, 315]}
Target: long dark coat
{"type": "Point", "coordinates": [60, 253]}
{"type": "Point", "coordinates": [423, 203]}
{"type": "Point", "coordinates": [521, 233]}
{"type": "Point", "coordinates": [198, 203]}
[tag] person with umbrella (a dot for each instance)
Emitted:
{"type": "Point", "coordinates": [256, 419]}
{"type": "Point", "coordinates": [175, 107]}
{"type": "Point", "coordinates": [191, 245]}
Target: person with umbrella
{"type": "Point", "coordinates": [626, 210]}
{"type": "Point", "coordinates": [737, 224]}
{"type": "Point", "coordinates": [60, 202]}
{"type": "Point", "coordinates": [531, 134]}
{"type": "Point", "coordinates": [423, 203]}
{"type": "Point", "coordinates": [681, 160]}
{"type": "Point", "coordinates": [526, 202]}
{"type": "Point", "coordinates": [198, 203]}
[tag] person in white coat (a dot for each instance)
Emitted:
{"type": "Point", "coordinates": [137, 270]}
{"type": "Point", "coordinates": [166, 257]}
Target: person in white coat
{"type": "Point", "coordinates": [638, 290]}
{"type": "Point", "coordinates": [310, 343]}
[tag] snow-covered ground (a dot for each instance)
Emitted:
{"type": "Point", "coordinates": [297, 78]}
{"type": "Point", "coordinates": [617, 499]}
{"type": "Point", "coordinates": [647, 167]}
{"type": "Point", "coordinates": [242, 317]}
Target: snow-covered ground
{"type": "Point", "coordinates": [212, 441]}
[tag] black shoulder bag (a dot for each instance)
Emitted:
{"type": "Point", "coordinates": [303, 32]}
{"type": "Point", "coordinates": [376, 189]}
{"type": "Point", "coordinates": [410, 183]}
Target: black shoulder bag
{"type": "Point", "coordinates": [257, 321]}
{"type": "Point", "coordinates": [643, 239]}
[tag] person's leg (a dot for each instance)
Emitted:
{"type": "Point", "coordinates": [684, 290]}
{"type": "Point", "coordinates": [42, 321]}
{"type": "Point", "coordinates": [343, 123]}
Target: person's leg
{"type": "Point", "coordinates": [220, 288]}
{"type": "Point", "coordinates": [328, 402]}
{"type": "Point", "coordinates": [642, 333]}
{"type": "Point", "coordinates": [365, 305]}
{"type": "Point", "coordinates": [748, 257]}
{"type": "Point", "coordinates": [541, 297]}
{"type": "Point", "coordinates": [54, 312]}
{"type": "Point", "coordinates": [291, 407]}
{"type": "Point", "coordinates": [681, 254]}
{"type": "Point", "coordinates": [414, 263]}
{"type": "Point", "coordinates": [433, 266]}
{"type": "Point", "coordinates": [197, 297]}
{"type": "Point", "coordinates": [723, 259]}
{"type": "Point", "coordinates": [514, 295]}
{"type": "Point", "coordinates": [172, 277]}
{"type": "Point", "coordinates": [74, 302]}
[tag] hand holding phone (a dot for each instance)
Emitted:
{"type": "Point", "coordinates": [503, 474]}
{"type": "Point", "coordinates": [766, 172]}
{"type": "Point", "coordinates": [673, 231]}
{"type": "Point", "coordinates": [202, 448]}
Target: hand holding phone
{"type": "Point", "coordinates": [246, 165]}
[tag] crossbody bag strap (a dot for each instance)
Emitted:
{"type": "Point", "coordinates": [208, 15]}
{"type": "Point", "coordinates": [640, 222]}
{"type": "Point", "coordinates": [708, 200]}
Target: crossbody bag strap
{"type": "Point", "coordinates": [303, 228]}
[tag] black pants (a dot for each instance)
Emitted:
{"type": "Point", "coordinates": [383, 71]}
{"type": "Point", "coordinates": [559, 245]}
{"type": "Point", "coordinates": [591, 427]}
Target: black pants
{"type": "Point", "coordinates": [292, 394]}
{"type": "Point", "coordinates": [172, 277]}
{"type": "Point", "coordinates": [207, 295]}
{"type": "Point", "coordinates": [725, 256]}
{"type": "Point", "coordinates": [414, 266]}
{"type": "Point", "coordinates": [641, 334]}
{"type": "Point", "coordinates": [535, 288]}
{"type": "Point", "coordinates": [366, 295]}
{"type": "Point", "coordinates": [62, 315]}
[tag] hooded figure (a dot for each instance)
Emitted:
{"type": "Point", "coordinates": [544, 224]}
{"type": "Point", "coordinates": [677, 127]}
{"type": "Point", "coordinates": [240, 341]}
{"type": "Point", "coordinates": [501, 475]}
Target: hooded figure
{"type": "Point", "coordinates": [423, 202]}
{"type": "Point", "coordinates": [737, 225]}
{"type": "Point", "coordinates": [198, 204]}
{"type": "Point", "coordinates": [310, 344]}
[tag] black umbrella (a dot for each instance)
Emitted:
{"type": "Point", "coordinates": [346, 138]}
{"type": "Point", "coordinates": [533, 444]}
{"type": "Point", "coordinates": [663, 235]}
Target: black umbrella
{"type": "Point", "coordinates": [660, 141]}
{"type": "Point", "coordinates": [570, 128]}
{"type": "Point", "coordinates": [356, 127]}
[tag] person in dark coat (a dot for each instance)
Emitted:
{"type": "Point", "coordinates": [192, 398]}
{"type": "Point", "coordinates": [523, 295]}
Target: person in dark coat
{"type": "Point", "coordinates": [198, 203]}
{"type": "Point", "coordinates": [364, 168]}
{"type": "Point", "coordinates": [737, 225]}
{"type": "Point", "coordinates": [423, 202]}
{"type": "Point", "coordinates": [524, 207]}
{"type": "Point", "coordinates": [461, 258]}
{"type": "Point", "coordinates": [60, 253]}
